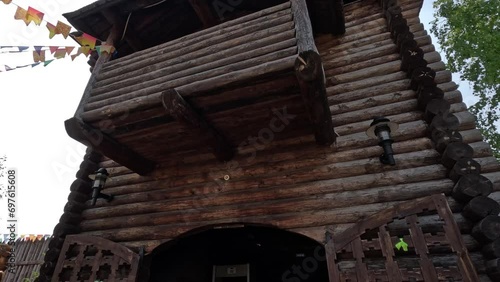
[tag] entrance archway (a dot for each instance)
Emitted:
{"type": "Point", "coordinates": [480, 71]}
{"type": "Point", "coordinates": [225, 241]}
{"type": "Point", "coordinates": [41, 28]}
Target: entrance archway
{"type": "Point", "coordinates": [242, 252]}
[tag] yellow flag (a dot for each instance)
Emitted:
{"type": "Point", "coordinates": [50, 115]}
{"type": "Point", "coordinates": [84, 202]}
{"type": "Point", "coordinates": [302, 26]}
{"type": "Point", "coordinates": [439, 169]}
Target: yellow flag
{"type": "Point", "coordinates": [39, 57]}
{"type": "Point", "coordinates": [21, 14]}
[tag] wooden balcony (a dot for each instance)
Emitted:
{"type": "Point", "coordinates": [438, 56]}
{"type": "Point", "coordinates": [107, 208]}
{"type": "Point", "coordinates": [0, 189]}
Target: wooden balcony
{"type": "Point", "coordinates": [259, 74]}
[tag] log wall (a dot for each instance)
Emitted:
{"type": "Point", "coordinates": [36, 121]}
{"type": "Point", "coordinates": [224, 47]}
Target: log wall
{"type": "Point", "coordinates": [292, 183]}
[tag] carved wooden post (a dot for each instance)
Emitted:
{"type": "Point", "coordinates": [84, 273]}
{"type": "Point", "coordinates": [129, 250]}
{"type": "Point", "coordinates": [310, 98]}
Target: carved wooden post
{"type": "Point", "coordinates": [311, 76]}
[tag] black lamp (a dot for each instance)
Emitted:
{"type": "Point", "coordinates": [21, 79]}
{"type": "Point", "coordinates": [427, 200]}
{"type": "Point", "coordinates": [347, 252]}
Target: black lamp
{"type": "Point", "coordinates": [381, 129]}
{"type": "Point", "coordinates": [100, 177]}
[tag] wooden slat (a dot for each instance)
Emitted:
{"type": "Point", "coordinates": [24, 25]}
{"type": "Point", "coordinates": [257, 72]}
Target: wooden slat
{"type": "Point", "coordinates": [386, 245]}
{"type": "Point", "coordinates": [428, 270]}
{"type": "Point", "coordinates": [357, 250]}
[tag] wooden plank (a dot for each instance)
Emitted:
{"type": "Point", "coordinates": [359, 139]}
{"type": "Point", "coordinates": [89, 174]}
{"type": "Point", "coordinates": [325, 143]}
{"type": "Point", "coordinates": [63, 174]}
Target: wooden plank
{"type": "Point", "coordinates": [393, 273]}
{"type": "Point", "coordinates": [311, 77]}
{"type": "Point", "coordinates": [357, 251]}
{"type": "Point", "coordinates": [417, 236]}
{"type": "Point", "coordinates": [104, 144]}
{"type": "Point", "coordinates": [303, 26]}
{"type": "Point", "coordinates": [454, 237]}
{"type": "Point", "coordinates": [177, 107]}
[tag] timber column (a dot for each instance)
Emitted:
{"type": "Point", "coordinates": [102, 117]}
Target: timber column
{"type": "Point", "coordinates": [311, 75]}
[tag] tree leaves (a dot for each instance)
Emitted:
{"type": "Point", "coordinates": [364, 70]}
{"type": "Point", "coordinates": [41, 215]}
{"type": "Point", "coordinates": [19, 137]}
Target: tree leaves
{"type": "Point", "coordinates": [469, 33]}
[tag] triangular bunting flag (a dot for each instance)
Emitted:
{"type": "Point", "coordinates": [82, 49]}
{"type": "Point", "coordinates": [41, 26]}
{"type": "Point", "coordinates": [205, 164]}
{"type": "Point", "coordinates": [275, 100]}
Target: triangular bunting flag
{"type": "Point", "coordinates": [62, 28]}
{"type": "Point", "coordinates": [53, 49]}
{"type": "Point", "coordinates": [34, 15]}
{"type": "Point", "coordinates": [39, 56]}
{"type": "Point", "coordinates": [46, 63]}
{"type": "Point", "coordinates": [87, 40]}
{"type": "Point", "coordinates": [21, 14]}
{"type": "Point", "coordinates": [60, 53]}
{"type": "Point", "coordinates": [52, 30]}
{"type": "Point", "coordinates": [34, 65]}
{"type": "Point", "coordinates": [98, 49]}
{"type": "Point", "coordinates": [69, 49]}
{"type": "Point", "coordinates": [22, 48]}
{"type": "Point", "coordinates": [6, 2]}
{"type": "Point", "coordinates": [7, 68]}
{"type": "Point", "coordinates": [38, 49]}
{"type": "Point", "coordinates": [82, 50]}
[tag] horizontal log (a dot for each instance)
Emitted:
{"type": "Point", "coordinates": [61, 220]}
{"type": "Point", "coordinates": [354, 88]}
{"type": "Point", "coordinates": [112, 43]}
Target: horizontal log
{"type": "Point", "coordinates": [370, 113]}
{"type": "Point", "coordinates": [303, 157]}
{"type": "Point", "coordinates": [150, 78]}
{"type": "Point", "coordinates": [372, 102]}
{"type": "Point", "coordinates": [304, 171]}
{"type": "Point", "coordinates": [189, 89]}
{"type": "Point", "coordinates": [380, 89]}
{"type": "Point", "coordinates": [365, 83]}
{"type": "Point", "coordinates": [308, 204]}
{"type": "Point", "coordinates": [288, 221]}
{"type": "Point", "coordinates": [203, 35]}
{"type": "Point", "coordinates": [350, 47]}
{"type": "Point", "coordinates": [185, 67]}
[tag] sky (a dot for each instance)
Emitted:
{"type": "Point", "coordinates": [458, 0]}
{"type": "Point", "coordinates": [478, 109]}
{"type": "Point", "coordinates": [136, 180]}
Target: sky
{"type": "Point", "coordinates": [35, 102]}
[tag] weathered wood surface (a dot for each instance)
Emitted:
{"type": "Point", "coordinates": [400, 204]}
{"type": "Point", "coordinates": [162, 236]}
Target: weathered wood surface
{"type": "Point", "coordinates": [290, 182]}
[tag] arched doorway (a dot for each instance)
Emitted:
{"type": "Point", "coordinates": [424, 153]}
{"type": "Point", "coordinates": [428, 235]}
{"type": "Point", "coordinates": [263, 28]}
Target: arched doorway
{"type": "Point", "coordinates": [235, 253]}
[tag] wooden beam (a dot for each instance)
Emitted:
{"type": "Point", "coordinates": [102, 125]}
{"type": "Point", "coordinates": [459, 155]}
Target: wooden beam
{"type": "Point", "coordinates": [311, 77]}
{"type": "Point", "coordinates": [204, 13]}
{"type": "Point", "coordinates": [107, 146]}
{"type": "Point", "coordinates": [303, 26]}
{"type": "Point", "coordinates": [182, 111]}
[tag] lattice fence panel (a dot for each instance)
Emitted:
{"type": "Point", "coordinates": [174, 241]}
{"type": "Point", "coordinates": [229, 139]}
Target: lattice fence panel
{"type": "Point", "coordinates": [435, 249]}
{"type": "Point", "coordinates": [86, 258]}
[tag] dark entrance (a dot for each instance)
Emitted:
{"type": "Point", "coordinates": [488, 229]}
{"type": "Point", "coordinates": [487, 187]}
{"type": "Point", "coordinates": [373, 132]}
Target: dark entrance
{"type": "Point", "coordinates": [269, 254]}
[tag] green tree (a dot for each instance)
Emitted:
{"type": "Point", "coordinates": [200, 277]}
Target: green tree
{"type": "Point", "coordinates": [469, 34]}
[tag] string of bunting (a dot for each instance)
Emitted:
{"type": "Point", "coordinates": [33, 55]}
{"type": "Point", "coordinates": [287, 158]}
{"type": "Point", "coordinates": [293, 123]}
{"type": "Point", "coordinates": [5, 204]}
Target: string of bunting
{"type": "Point", "coordinates": [87, 42]}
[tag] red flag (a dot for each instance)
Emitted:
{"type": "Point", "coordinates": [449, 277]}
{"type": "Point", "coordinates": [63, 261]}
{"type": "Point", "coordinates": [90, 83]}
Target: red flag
{"type": "Point", "coordinates": [69, 49]}
{"type": "Point", "coordinates": [53, 49]}
{"type": "Point", "coordinates": [34, 15]}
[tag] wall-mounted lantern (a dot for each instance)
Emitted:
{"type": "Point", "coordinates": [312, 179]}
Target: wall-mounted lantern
{"type": "Point", "coordinates": [100, 177]}
{"type": "Point", "coordinates": [381, 129]}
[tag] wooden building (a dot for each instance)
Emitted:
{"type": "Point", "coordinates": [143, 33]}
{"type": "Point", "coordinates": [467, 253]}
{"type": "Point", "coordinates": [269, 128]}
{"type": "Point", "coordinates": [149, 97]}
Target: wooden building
{"type": "Point", "coordinates": [235, 136]}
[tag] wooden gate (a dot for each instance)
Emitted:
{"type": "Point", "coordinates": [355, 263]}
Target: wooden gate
{"type": "Point", "coordinates": [87, 258]}
{"type": "Point", "coordinates": [415, 241]}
